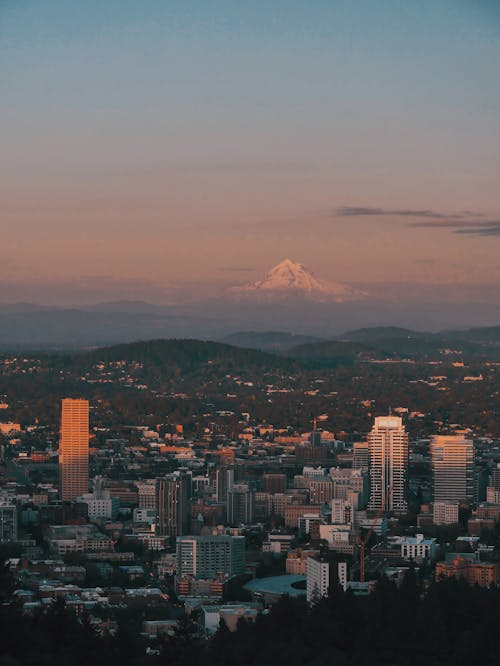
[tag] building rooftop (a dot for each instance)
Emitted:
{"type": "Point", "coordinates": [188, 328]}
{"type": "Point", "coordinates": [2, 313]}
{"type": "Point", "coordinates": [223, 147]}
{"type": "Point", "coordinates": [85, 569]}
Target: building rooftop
{"type": "Point", "coordinates": [277, 585]}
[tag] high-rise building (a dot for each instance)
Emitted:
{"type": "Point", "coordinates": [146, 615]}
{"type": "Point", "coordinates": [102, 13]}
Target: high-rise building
{"type": "Point", "coordinates": [74, 449]}
{"type": "Point", "coordinates": [174, 505]}
{"type": "Point", "coordinates": [222, 481]}
{"type": "Point", "coordinates": [388, 443]}
{"type": "Point", "coordinates": [361, 456]}
{"type": "Point", "coordinates": [209, 556]}
{"type": "Point", "coordinates": [240, 505]}
{"type": "Point", "coordinates": [318, 578]}
{"type": "Point", "coordinates": [452, 460]}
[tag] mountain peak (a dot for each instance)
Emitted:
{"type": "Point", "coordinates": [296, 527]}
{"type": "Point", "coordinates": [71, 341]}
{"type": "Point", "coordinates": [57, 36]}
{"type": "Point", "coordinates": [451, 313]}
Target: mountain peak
{"type": "Point", "coordinates": [289, 278]}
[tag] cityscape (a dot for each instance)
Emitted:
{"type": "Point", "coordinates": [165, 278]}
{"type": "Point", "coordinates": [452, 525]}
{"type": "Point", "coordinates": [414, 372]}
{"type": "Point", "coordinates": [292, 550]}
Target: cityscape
{"type": "Point", "coordinates": [249, 333]}
{"type": "Point", "coordinates": [170, 514]}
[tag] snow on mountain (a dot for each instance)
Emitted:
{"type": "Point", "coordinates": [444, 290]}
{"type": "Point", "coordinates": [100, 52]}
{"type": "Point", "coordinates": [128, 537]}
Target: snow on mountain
{"type": "Point", "coordinates": [289, 278]}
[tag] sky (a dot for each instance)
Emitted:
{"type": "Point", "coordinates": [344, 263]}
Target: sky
{"type": "Point", "coordinates": [171, 144]}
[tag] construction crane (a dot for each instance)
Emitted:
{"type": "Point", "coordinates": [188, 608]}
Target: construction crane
{"type": "Point", "coordinates": [362, 542]}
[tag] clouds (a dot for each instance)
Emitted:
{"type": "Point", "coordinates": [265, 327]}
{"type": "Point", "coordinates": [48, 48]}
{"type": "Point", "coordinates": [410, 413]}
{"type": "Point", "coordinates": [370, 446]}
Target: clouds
{"type": "Point", "coordinates": [360, 211]}
{"type": "Point", "coordinates": [467, 223]}
{"type": "Point", "coordinates": [491, 228]}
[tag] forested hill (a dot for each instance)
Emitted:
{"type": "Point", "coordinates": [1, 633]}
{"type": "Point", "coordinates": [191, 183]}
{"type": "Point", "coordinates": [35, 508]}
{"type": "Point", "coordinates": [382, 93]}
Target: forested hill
{"type": "Point", "coordinates": [173, 357]}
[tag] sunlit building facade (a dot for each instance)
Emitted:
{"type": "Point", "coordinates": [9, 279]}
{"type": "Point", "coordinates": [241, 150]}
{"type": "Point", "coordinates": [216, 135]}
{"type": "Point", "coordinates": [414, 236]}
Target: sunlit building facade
{"type": "Point", "coordinates": [74, 449]}
{"type": "Point", "coordinates": [388, 444]}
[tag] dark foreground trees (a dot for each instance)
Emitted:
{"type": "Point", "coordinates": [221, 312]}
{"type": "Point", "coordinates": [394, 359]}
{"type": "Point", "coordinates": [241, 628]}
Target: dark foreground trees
{"type": "Point", "coordinates": [451, 624]}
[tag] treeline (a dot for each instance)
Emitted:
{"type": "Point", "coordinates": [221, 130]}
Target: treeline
{"type": "Point", "coordinates": [448, 624]}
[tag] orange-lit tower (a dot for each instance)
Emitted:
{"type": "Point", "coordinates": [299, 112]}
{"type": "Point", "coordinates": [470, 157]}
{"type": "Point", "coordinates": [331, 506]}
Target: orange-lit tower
{"type": "Point", "coordinates": [74, 449]}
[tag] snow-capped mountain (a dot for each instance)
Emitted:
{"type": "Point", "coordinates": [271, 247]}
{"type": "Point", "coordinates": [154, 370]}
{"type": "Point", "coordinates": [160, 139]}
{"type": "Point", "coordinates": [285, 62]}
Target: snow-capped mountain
{"type": "Point", "coordinates": [289, 279]}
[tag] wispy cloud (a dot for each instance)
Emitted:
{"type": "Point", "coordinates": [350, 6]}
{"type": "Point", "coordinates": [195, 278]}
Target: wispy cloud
{"type": "Point", "coordinates": [491, 229]}
{"type": "Point", "coordinates": [367, 211]}
{"type": "Point", "coordinates": [466, 222]}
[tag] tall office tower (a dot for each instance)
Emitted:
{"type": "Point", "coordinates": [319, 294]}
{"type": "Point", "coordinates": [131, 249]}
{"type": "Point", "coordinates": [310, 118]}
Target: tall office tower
{"type": "Point", "coordinates": [361, 456]}
{"type": "Point", "coordinates": [452, 460]}
{"type": "Point", "coordinates": [240, 505]}
{"type": "Point", "coordinates": [388, 442]}
{"type": "Point", "coordinates": [174, 504]}
{"type": "Point", "coordinates": [74, 449]}
{"type": "Point", "coordinates": [223, 481]}
{"type": "Point", "coordinates": [207, 556]}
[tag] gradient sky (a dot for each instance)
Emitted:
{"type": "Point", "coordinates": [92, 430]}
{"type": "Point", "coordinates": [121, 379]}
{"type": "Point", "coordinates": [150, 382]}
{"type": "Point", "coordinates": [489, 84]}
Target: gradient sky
{"type": "Point", "coordinates": [172, 142]}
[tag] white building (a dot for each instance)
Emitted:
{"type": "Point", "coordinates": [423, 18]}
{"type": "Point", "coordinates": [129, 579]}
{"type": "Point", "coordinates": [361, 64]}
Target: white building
{"type": "Point", "coordinates": [388, 443]}
{"type": "Point", "coordinates": [342, 574]}
{"type": "Point", "coordinates": [318, 578]}
{"type": "Point", "coordinates": [342, 512]}
{"type": "Point", "coordinates": [100, 504]}
{"type": "Point", "coordinates": [417, 548]}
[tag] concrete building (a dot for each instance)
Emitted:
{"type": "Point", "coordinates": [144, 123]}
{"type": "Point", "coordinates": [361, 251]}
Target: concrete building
{"type": "Point", "coordinates": [484, 574]}
{"type": "Point", "coordinates": [74, 449]}
{"type": "Point", "coordinates": [147, 495]}
{"type": "Point", "coordinates": [100, 504]}
{"type": "Point", "coordinates": [211, 616]}
{"type": "Point", "coordinates": [342, 512]}
{"type": "Point", "coordinates": [388, 443]}
{"type": "Point", "coordinates": [452, 460]}
{"type": "Point", "coordinates": [417, 548]}
{"type": "Point", "coordinates": [318, 578]}
{"type": "Point", "coordinates": [445, 513]}
{"type": "Point", "coordinates": [351, 485]}
{"type": "Point", "coordinates": [208, 556]}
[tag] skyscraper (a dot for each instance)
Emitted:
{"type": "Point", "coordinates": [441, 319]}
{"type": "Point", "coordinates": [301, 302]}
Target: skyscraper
{"type": "Point", "coordinates": [174, 505]}
{"type": "Point", "coordinates": [240, 505]}
{"type": "Point", "coordinates": [452, 459]}
{"type": "Point", "coordinates": [74, 449]}
{"type": "Point", "coordinates": [388, 443]}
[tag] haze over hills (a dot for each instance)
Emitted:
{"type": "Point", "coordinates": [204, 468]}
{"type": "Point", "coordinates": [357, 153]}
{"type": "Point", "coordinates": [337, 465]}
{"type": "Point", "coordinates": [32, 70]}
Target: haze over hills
{"type": "Point", "coordinates": [26, 326]}
{"type": "Point", "coordinates": [289, 301]}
